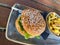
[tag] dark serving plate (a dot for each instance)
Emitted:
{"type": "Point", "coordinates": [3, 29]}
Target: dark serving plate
{"type": "Point", "coordinates": [47, 38]}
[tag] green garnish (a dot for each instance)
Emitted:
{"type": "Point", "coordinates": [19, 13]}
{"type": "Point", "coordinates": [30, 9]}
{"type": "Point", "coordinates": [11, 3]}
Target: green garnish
{"type": "Point", "coordinates": [21, 26]}
{"type": "Point", "coordinates": [38, 37]}
{"type": "Point", "coordinates": [27, 35]}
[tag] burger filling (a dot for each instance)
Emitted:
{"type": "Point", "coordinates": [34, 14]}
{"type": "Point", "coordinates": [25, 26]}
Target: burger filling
{"type": "Point", "coordinates": [26, 35]}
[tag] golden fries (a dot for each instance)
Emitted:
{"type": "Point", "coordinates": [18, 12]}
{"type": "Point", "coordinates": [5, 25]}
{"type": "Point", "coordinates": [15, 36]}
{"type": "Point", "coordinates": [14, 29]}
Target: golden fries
{"type": "Point", "coordinates": [54, 23]}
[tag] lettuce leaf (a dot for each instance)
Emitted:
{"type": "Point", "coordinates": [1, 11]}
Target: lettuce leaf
{"type": "Point", "coordinates": [20, 24]}
{"type": "Point", "coordinates": [38, 37]}
{"type": "Point", "coordinates": [27, 35]}
{"type": "Point", "coordinates": [22, 29]}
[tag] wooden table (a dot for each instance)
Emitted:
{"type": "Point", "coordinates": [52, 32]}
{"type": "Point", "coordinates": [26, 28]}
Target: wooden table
{"type": "Point", "coordinates": [4, 13]}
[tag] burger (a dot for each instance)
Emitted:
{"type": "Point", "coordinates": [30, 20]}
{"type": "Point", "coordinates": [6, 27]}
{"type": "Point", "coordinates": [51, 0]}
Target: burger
{"type": "Point", "coordinates": [30, 23]}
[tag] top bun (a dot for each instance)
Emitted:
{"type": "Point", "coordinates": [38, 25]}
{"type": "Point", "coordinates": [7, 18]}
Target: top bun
{"type": "Point", "coordinates": [33, 22]}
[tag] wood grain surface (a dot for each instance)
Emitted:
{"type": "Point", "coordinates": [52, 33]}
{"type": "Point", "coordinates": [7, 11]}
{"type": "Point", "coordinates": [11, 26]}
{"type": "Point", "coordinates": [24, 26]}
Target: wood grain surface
{"type": "Point", "coordinates": [4, 12]}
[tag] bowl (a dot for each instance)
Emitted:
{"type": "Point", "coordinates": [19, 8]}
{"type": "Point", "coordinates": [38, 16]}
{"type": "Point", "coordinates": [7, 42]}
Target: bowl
{"type": "Point", "coordinates": [51, 20]}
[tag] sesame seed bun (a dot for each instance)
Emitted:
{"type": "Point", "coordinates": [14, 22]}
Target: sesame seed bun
{"type": "Point", "coordinates": [32, 21]}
